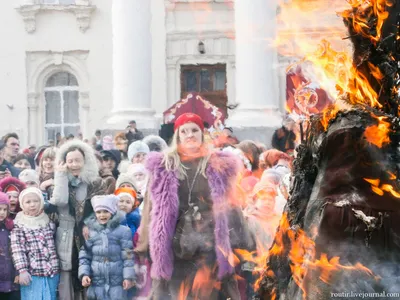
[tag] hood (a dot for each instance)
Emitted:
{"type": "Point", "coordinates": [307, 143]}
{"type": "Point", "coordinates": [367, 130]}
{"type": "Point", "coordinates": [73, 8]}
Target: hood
{"type": "Point", "coordinates": [155, 143]}
{"type": "Point", "coordinates": [113, 223]}
{"type": "Point", "coordinates": [90, 170]}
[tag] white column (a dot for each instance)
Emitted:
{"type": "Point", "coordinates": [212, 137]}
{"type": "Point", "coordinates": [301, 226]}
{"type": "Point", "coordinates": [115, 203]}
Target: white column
{"type": "Point", "coordinates": [257, 86]}
{"type": "Point", "coordinates": [33, 119]}
{"type": "Point", "coordinates": [131, 22]}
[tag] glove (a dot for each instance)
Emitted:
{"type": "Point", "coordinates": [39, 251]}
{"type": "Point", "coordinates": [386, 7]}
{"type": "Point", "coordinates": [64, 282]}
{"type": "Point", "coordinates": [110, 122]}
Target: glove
{"type": "Point", "coordinates": [25, 278]}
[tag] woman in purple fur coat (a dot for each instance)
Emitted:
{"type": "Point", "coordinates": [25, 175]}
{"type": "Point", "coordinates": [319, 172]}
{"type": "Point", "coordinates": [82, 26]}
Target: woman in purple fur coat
{"type": "Point", "coordinates": [193, 227]}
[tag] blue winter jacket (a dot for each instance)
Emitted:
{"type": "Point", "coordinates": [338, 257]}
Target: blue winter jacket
{"type": "Point", "coordinates": [107, 259]}
{"type": "Point", "coordinates": [132, 220]}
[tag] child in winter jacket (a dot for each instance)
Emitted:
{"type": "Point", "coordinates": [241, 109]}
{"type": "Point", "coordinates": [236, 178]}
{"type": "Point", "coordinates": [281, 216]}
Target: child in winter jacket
{"type": "Point", "coordinates": [128, 203]}
{"type": "Point", "coordinates": [8, 289]}
{"type": "Point", "coordinates": [33, 248]}
{"type": "Point", "coordinates": [106, 260]}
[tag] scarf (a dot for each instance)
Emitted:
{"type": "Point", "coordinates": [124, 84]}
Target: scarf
{"type": "Point", "coordinates": [40, 221]}
{"type": "Point", "coordinates": [74, 181]}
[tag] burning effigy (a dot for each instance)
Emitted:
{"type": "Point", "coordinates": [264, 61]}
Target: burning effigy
{"type": "Point", "coordinates": [340, 232]}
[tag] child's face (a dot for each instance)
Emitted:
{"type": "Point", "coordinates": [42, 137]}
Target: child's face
{"type": "Point", "coordinates": [139, 176]}
{"type": "Point", "coordinates": [31, 205]}
{"type": "Point", "coordinates": [13, 196]}
{"type": "Point", "coordinates": [48, 165]}
{"type": "Point", "coordinates": [125, 204]}
{"type": "Point", "coordinates": [139, 158]}
{"type": "Point", "coordinates": [23, 164]}
{"type": "Point", "coordinates": [126, 185]}
{"type": "Point", "coordinates": [103, 216]}
{"type": "Point", "coordinates": [3, 212]}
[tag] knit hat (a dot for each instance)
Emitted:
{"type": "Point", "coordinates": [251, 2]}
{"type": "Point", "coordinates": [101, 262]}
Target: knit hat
{"type": "Point", "coordinates": [155, 143]}
{"type": "Point", "coordinates": [134, 169]}
{"type": "Point", "coordinates": [4, 199]}
{"type": "Point", "coordinates": [131, 193]}
{"type": "Point", "coordinates": [105, 202]}
{"type": "Point", "coordinates": [124, 178]}
{"type": "Point", "coordinates": [137, 147]}
{"type": "Point", "coordinates": [188, 118]}
{"type": "Point", "coordinates": [31, 190]}
{"type": "Point", "coordinates": [11, 184]}
{"type": "Point", "coordinates": [29, 176]}
{"type": "Point", "coordinates": [108, 143]}
{"type": "Point", "coordinates": [39, 154]}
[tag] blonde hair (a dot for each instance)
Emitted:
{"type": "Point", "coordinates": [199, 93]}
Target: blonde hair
{"type": "Point", "coordinates": [172, 160]}
{"type": "Point", "coordinates": [48, 153]}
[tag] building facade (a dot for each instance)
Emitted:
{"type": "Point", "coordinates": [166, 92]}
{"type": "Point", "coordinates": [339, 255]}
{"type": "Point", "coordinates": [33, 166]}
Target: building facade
{"type": "Point", "coordinates": [73, 66]}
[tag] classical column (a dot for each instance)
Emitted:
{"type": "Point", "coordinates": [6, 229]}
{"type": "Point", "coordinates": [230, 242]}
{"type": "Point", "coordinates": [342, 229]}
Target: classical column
{"type": "Point", "coordinates": [131, 20]}
{"type": "Point", "coordinates": [257, 86]}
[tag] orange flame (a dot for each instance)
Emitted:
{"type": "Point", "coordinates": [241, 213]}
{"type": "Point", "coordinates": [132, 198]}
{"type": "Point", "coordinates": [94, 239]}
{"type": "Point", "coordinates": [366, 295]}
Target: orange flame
{"type": "Point", "coordinates": [378, 134]}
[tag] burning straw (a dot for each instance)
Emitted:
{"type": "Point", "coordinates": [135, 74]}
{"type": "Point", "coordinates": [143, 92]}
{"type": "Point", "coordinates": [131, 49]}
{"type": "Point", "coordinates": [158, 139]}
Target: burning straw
{"type": "Point", "coordinates": [345, 193]}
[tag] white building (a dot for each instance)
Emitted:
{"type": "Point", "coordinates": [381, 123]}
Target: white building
{"type": "Point", "coordinates": [78, 65]}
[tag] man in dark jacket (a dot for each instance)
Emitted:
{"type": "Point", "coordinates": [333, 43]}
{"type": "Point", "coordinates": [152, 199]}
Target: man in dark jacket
{"type": "Point", "coordinates": [132, 133]}
{"type": "Point", "coordinates": [6, 168]}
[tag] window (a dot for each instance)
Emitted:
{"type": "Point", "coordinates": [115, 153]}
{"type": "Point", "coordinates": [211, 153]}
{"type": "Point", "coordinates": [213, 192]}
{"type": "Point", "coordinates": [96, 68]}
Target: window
{"type": "Point", "coordinates": [62, 2]}
{"type": "Point", "coordinates": [207, 80]}
{"type": "Point", "coordinates": [62, 105]}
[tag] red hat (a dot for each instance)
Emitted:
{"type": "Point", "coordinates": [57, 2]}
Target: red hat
{"type": "Point", "coordinates": [131, 193]}
{"type": "Point", "coordinates": [11, 184]}
{"type": "Point", "coordinates": [188, 118]}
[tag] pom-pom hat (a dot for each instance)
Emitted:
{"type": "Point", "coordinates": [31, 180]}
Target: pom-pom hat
{"type": "Point", "coordinates": [188, 118]}
{"type": "Point", "coordinates": [105, 202]}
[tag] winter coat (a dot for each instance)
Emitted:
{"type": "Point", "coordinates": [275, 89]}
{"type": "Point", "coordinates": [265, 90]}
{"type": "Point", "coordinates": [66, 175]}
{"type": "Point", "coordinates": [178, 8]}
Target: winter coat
{"type": "Point", "coordinates": [132, 220]}
{"type": "Point", "coordinates": [34, 250]}
{"type": "Point", "coordinates": [108, 181]}
{"type": "Point", "coordinates": [221, 174]}
{"type": "Point", "coordinates": [13, 170]}
{"type": "Point", "coordinates": [7, 274]}
{"type": "Point", "coordinates": [107, 258]}
{"type": "Point", "coordinates": [134, 136]}
{"type": "Point", "coordinates": [72, 198]}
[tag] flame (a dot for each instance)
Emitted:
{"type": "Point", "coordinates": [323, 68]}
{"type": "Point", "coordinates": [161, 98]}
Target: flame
{"type": "Point", "coordinates": [303, 259]}
{"type": "Point", "coordinates": [380, 190]}
{"type": "Point", "coordinates": [327, 68]}
{"type": "Point", "coordinates": [362, 11]}
{"type": "Point", "coordinates": [378, 134]}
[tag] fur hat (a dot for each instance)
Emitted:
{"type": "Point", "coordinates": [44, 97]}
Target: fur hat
{"type": "Point", "coordinates": [4, 199]}
{"type": "Point", "coordinates": [105, 202]}
{"type": "Point", "coordinates": [11, 184]}
{"type": "Point", "coordinates": [31, 190]}
{"type": "Point", "coordinates": [137, 147]}
{"type": "Point", "coordinates": [134, 169]}
{"type": "Point", "coordinates": [155, 143]}
{"type": "Point", "coordinates": [29, 176]}
{"type": "Point", "coordinates": [131, 193]}
{"type": "Point", "coordinates": [188, 118]}
{"type": "Point", "coordinates": [124, 178]}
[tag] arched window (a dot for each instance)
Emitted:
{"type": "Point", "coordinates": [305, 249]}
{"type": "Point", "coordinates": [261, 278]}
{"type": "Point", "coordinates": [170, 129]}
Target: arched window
{"type": "Point", "coordinates": [62, 105]}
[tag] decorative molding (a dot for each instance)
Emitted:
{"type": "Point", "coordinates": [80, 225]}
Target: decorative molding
{"type": "Point", "coordinates": [83, 12]}
{"type": "Point", "coordinates": [33, 104]}
{"type": "Point", "coordinates": [84, 99]}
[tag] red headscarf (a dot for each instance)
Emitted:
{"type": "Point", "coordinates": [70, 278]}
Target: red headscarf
{"type": "Point", "coordinates": [188, 118]}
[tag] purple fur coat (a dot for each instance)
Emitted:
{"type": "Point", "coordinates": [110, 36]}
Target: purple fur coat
{"type": "Point", "coordinates": [221, 173]}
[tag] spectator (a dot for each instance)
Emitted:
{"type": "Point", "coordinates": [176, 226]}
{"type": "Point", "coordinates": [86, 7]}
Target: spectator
{"type": "Point", "coordinates": [70, 137]}
{"type": "Point", "coordinates": [284, 138]}
{"type": "Point", "coordinates": [155, 143]}
{"type": "Point", "coordinates": [21, 161]}
{"type": "Point", "coordinates": [6, 168]}
{"type": "Point", "coordinates": [132, 133]}
{"type": "Point", "coordinates": [137, 152]}
{"type": "Point", "coordinates": [111, 160]}
{"type": "Point", "coordinates": [108, 143]}
{"type": "Point", "coordinates": [30, 178]}
{"type": "Point", "coordinates": [51, 143]}
{"type": "Point", "coordinates": [12, 146]}
{"type": "Point", "coordinates": [97, 136]}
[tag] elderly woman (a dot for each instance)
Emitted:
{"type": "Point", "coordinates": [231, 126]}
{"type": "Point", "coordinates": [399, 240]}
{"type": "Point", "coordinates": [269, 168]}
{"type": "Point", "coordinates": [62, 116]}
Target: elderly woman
{"type": "Point", "coordinates": [191, 228]}
{"type": "Point", "coordinates": [76, 182]}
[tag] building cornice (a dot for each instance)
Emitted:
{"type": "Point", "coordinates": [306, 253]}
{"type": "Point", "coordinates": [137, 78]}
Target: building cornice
{"type": "Point", "coordinates": [83, 13]}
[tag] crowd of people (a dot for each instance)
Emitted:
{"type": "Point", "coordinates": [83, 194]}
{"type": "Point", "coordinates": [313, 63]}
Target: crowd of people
{"type": "Point", "coordinates": [134, 217]}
